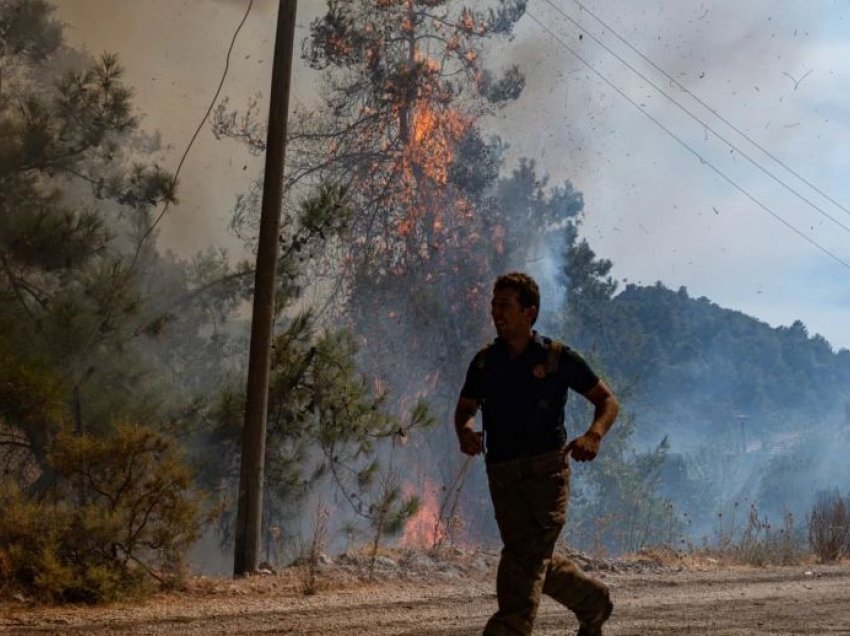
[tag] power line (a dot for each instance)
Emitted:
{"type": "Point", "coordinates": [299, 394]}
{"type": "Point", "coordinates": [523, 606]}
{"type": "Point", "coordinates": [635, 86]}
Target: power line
{"type": "Point", "coordinates": [144, 237]}
{"type": "Point", "coordinates": [701, 122]}
{"type": "Point", "coordinates": [713, 110]}
{"type": "Point", "coordinates": [197, 130]}
{"type": "Point", "coordinates": [687, 147]}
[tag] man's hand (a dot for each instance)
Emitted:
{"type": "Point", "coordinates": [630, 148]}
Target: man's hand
{"type": "Point", "coordinates": [586, 447]}
{"type": "Point", "coordinates": [471, 441]}
{"type": "Point", "coordinates": [605, 408]}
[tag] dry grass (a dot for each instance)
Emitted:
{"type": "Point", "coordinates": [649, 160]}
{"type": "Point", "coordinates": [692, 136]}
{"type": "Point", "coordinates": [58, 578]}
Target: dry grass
{"type": "Point", "coordinates": [829, 527]}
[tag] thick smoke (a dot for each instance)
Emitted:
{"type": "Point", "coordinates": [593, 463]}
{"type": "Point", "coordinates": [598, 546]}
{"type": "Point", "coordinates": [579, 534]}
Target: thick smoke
{"type": "Point", "coordinates": [652, 209]}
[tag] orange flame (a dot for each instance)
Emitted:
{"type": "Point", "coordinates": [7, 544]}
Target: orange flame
{"type": "Point", "coordinates": [434, 135]}
{"type": "Point", "coordinates": [424, 529]}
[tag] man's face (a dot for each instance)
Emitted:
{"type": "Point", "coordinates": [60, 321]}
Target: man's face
{"type": "Point", "coordinates": [509, 317]}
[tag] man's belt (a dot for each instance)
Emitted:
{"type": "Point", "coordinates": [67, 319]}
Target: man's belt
{"type": "Point", "coordinates": [524, 466]}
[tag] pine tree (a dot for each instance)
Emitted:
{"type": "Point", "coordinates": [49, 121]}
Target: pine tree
{"type": "Point", "coordinates": [106, 346]}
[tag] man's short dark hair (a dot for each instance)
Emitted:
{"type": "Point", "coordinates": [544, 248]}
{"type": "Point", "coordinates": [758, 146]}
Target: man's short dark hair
{"type": "Point", "coordinates": [528, 293]}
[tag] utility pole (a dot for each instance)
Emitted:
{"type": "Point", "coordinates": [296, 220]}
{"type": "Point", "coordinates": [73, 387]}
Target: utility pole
{"type": "Point", "coordinates": [250, 509]}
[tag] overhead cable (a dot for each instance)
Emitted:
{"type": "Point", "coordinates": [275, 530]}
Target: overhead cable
{"type": "Point", "coordinates": [198, 129]}
{"type": "Point", "coordinates": [702, 159]}
{"type": "Point", "coordinates": [700, 121]}
{"type": "Point", "coordinates": [713, 110]}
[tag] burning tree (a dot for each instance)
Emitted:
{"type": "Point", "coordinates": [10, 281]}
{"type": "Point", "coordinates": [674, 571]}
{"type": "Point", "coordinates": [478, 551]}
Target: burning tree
{"type": "Point", "coordinates": [404, 88]}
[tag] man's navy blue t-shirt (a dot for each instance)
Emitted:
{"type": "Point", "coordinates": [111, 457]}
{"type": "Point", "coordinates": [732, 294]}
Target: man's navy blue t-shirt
{"type": "Point", "coordinates": [522, 399]}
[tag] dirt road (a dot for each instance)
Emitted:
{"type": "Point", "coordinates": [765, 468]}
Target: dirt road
{"type": "Point", "coordinates": [792, 600]}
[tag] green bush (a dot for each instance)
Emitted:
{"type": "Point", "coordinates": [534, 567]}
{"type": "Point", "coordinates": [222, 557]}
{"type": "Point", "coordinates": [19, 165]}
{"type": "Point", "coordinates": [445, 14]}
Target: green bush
{"type": "Point", "coordinates": [120, 518]}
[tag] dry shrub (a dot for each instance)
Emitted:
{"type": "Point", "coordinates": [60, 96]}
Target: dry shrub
{"type": "Point", "coordinates": [829, 526]}
{"type": "Point", "coordinates": [120, 516]}
{"type": "Point", "coordinates": [45, 554]}
{"type": "Point", "coordinates": [758, 543]}
{"type": "Point", "coordinates": [310, 562]}
{"type": "Point", "coordinates": [762, 544]}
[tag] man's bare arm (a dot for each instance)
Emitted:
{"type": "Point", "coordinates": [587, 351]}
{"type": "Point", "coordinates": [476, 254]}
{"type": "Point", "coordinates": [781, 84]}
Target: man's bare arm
{"type": "Point", "coordinates": [470, 439]}
{"type": "Point", "coordinates": [606, 407]}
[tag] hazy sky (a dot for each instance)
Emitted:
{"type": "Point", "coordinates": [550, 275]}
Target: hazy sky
{"type": "Point", "coordinates": [777, 70]}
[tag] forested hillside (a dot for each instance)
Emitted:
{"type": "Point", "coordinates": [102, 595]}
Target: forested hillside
{"type": "Point", "coordinates": [723, 411]}
{"type": "Point", "coordinates": [704, 370]}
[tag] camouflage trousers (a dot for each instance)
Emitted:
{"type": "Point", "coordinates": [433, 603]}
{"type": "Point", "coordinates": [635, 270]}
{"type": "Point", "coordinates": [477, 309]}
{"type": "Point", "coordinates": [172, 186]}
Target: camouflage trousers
{"type": "Point", "coordinates": [530, 500]}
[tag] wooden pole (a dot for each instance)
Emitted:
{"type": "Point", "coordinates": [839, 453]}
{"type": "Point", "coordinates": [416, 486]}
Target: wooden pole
{"type": "Point", "coordinates": [250, 509]}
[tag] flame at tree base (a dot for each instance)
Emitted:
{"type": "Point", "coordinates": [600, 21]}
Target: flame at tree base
{"type": "Point", "coordinates": [425, 529]}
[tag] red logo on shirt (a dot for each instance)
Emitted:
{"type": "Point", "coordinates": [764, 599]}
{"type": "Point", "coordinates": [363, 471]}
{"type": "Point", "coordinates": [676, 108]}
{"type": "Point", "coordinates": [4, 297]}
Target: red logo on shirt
{"type": "Point", "coordinates": [539, 371]}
